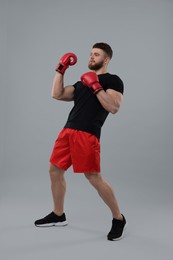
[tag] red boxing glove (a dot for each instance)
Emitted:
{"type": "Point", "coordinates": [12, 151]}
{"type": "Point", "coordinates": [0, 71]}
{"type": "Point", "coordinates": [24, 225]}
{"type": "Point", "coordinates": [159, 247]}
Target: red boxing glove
{"type": "Point", "coordinates": [66, 60]}
{"type": "Point", "coordinates": [91, 80]}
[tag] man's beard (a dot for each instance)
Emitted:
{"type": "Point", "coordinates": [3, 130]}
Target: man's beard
{"type": "Point", "coordinates": [95, 66]}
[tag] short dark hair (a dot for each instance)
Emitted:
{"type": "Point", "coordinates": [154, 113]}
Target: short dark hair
{"type": "Point", "coordinates": [105, 47]}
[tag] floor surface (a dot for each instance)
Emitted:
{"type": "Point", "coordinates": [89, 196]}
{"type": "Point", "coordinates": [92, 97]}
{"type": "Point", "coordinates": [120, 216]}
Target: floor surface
{"type": "Point", "coordinates": [148, 235]}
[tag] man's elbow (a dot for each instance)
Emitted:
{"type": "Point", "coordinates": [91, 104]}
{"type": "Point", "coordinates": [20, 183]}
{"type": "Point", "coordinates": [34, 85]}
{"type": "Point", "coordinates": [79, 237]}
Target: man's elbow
{"type": "Point", "coordinates": [55, 96]}
{"type": "Point", "coordinates": [114, 109]}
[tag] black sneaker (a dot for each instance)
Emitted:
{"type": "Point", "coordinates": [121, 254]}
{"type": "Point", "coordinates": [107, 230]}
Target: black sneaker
{"type": "Point", "coordinates": [51, 220]}
{"type": "Point", "coordinates": [117, 229]}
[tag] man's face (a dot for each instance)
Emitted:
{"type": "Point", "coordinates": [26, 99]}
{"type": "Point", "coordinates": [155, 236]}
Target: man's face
{"type": "Point", "coordinates": [97, 59]}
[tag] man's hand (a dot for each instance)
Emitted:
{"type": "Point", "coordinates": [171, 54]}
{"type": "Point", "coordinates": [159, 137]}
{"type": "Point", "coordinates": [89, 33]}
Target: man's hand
{"type": "Point", "coordinates": [68, 59]}
{"type": "Point", "coordinates": [90, 79]}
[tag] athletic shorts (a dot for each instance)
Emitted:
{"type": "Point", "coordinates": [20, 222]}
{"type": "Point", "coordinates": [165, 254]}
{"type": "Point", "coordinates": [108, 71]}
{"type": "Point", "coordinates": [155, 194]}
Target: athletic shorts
{"type": "Point", "coordinates": [77, 148]}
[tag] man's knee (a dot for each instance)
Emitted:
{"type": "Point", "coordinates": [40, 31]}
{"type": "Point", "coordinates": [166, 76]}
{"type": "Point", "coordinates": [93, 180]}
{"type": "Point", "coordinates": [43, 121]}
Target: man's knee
{"type": "Point", "coordinates": [55, 172]}
{"type": "Point", "coordinates": [93, 178]}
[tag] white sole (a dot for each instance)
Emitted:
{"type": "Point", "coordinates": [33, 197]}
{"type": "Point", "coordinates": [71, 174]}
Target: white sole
{"type": "Point", "coordinates": [58, 224]}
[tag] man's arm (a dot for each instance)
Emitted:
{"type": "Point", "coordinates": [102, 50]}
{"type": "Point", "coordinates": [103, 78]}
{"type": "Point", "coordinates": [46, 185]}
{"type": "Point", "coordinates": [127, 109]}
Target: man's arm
{"type": "Point", "coordinates": [60, 92]}
{"type": "Point", "coordinates": [110, 100]}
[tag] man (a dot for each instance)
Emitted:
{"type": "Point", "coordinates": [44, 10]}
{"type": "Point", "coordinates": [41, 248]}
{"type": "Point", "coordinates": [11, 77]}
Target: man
{"type": "Point", "coordinates": [97, 94]}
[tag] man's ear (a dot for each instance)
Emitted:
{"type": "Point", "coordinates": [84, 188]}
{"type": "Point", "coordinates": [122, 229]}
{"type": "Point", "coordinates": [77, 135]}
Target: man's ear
{"type": "Point", "coordinates": [107, 60]}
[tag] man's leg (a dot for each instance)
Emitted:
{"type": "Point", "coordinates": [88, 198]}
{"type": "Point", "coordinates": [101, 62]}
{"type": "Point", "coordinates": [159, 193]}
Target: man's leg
{"type": "Point", "coordinates": [57, 217]}
{"type": "Point", "coordinates": [106, 193]}
{"type": "Point", "coordinates": [58, 187]}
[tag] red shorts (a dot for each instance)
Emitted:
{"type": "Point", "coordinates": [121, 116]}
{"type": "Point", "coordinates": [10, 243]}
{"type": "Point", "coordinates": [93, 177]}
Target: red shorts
{"type": "Point", "coordinates": [77, 148]}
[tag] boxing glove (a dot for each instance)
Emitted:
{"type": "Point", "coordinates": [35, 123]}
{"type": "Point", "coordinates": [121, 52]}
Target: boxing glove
{"type": "Point", "coordinates": [67, 60]}
{"type": "Point", "coordinates": [91, 80]}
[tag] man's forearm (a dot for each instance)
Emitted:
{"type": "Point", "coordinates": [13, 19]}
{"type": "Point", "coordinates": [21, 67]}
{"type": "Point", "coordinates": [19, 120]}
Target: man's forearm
{"type": "Point", "coordinates": [109, 103]}
{"type": "Point", "coordinates": [58, 86]}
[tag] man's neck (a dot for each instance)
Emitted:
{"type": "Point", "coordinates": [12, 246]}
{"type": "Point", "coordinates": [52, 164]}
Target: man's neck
{"type": "Point", "coordinates": [101, 71]}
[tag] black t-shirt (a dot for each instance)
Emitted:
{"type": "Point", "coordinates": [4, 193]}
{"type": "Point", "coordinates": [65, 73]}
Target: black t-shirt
{"type": "Point", "coordinates": [87, 113]}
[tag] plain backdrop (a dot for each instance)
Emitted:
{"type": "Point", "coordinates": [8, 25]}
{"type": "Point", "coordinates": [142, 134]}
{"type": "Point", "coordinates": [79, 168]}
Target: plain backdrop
{"type": "Point", "coordinates": [136, 144]}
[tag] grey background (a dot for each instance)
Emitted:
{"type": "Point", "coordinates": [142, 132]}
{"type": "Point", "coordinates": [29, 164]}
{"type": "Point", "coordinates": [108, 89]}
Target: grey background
{"type": "Point", "coordinates": [136, 143]}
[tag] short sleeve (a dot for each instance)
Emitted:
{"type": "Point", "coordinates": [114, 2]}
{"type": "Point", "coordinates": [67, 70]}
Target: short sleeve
{"type": "Point", "coordinates": [116, 83]}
